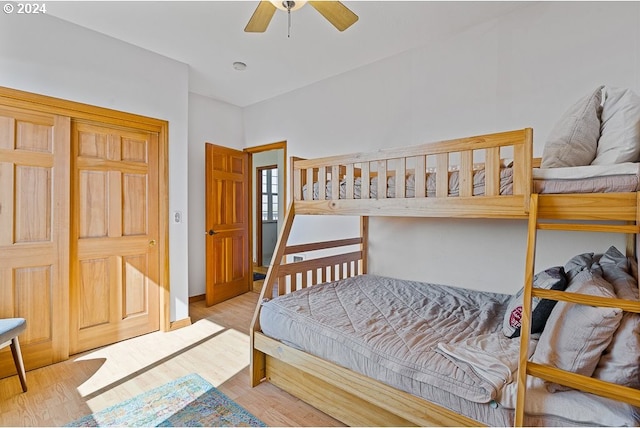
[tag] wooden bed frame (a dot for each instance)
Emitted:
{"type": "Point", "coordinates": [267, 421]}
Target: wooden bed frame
{"type": "Point", "coordinates": [358, 400]}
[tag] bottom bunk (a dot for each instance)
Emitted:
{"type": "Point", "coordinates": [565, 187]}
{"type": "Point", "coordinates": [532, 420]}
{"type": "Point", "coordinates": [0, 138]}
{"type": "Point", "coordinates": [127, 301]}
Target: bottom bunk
{"type": "Point", "coordinates": [442, 344]}
{"type": "Point", "coordinates": [376, 351]}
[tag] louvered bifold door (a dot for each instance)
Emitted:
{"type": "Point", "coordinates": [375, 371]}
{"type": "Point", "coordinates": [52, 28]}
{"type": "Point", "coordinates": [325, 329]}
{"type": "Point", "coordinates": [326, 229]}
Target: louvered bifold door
{"type": "Point", "coordinates": [114, 286]}
{"type": "Point", "coordinates": [34, 233]}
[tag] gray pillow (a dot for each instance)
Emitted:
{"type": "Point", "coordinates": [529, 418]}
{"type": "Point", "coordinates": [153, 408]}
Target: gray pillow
{"type": "Point", "coordinates": [620, 362]}
{"type": "Point", "coordinates": [584, 261]}
{"type": "Point", "coordinates": [614, 257]}
{"type": "Point", "coordinates": [576, 335]}
{"type": "Point", "coordinates": [550, 279]}
{"type": "Point", "coordinates": [574, 139]}
{"type": "Point", "coordinates": [620, 129]}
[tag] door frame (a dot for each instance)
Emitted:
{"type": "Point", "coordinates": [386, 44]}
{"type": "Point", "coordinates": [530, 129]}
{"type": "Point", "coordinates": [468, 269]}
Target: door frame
{"type": "Point", "coordinates": [281, 200]}
{"type": "Point", "coordinates": [80, 111]}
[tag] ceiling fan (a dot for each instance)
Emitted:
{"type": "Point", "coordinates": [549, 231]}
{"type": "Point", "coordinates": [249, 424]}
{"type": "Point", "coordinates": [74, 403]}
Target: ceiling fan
{"type": "Point", "coordinates": [335, 12]}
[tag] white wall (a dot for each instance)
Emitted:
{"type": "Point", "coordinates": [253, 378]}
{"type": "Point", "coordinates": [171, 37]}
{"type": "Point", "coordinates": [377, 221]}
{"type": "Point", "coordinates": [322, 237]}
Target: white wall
{"type": "Point", "coordinates": [521, 70]}
{"type": "Point", "coordinates": [45, 55]}
{"type": "Point", "coordinates": [213, 122]}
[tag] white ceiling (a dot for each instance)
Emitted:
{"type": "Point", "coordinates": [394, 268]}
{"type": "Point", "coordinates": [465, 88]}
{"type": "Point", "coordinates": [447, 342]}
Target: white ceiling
{"type": "Point", "coordinates": [209, 37]}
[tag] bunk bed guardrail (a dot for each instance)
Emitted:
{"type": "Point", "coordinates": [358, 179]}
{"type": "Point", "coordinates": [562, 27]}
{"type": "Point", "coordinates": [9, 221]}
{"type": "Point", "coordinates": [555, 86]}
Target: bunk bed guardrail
{"type": "Point", "coordinates": [354, 183]}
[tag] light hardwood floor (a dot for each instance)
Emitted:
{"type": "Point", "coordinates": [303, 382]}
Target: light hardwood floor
{"type": "Point", "coordinates": [216, 346]}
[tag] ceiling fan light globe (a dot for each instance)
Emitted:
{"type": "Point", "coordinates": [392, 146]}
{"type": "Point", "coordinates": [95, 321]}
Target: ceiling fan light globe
{"type": "Point", "coordinates": [282, 5]}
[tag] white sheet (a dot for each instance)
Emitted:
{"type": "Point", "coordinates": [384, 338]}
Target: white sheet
{"type": "Point", "coordinates": [493, 356]}
{"type": "Point", "coordinates": [588, 171]}
{"type": "Point", "coordinates": [574, 405]}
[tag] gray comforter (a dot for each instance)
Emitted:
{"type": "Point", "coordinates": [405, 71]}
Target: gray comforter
{"type": "Point", "coordinates": [389, 329]}
{"type": "Point", "coordinates": [506, 186]}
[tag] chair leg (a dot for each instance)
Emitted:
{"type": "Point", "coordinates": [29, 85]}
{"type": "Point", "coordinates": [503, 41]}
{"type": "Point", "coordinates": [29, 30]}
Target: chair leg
{"type": "Point", "coordinates": [17, 358]}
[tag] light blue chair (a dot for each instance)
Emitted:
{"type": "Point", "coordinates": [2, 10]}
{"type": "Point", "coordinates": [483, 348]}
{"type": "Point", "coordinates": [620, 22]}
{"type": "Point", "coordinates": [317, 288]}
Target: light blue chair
{"type": "Point", "coordinates": [10, 328]}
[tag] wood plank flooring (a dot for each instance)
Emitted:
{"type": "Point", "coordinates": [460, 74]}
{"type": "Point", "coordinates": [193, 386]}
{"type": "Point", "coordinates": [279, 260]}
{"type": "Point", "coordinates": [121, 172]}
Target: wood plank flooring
{"type": "Point", "coordinates": [216, 346]}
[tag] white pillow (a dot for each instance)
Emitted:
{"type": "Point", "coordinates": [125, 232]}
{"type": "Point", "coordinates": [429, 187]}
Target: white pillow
{"type": "Point", "coordinates": [574, 139]}
{"type": "Point", "coordinates": [620, 130]}
{"type": "Point", "coordinates": [576, 335]}
{"type": "Point", "coordinates": [620, 362]}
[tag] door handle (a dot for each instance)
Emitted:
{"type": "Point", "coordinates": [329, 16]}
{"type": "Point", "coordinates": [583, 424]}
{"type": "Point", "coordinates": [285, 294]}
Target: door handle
{"type": "Point", "coordinates": [211, 232]}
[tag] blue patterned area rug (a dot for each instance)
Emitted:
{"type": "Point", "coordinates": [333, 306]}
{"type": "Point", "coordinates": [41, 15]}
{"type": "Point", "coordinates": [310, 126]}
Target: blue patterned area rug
{"type": "Point", "coordinates": [188, 401]}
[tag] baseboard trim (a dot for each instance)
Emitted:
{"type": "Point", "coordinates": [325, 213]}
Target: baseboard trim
{"type": "Point", "coordinates": [193, 299]}
{"type": "Point", "coordinates": [185, 322]}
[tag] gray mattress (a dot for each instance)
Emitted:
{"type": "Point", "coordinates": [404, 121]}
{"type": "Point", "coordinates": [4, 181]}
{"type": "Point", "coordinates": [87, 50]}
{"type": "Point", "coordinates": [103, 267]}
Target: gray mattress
{"type": "Point", "coordinates": [606, 184]}
{"type": "Point", "coordinates": [389, 329]}
{"type": "Point", "coordinates": [506, 185]}
{"type": "Point", "coordinates": [598, 184]}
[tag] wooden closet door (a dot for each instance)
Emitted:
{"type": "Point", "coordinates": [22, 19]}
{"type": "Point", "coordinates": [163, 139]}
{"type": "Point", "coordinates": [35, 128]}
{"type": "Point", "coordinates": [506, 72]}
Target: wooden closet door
{"type": "Point", "coordinates": [34, 233]}
{"type": "Point", "coordinates": [115, 269]}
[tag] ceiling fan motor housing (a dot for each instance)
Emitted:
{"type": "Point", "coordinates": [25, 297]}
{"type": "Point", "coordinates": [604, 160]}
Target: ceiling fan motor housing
{"type": "Point", "coordinates": [289, 6]}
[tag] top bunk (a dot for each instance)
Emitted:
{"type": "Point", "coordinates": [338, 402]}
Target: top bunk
{"type": "Point", "coordinates": [488, 176]}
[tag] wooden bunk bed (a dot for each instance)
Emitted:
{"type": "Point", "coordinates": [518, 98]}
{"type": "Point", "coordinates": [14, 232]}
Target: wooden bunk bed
{"type": "Point", "coordinates": [354, 187]}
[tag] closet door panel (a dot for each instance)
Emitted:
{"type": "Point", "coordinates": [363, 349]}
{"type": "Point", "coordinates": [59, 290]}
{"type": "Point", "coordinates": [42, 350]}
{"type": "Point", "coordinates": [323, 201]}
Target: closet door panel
{"type": "Point", "coordinates": [134, 150]}
{"type": "Point", "coordinates": [33, 204]}
{"type": "Point", "coordinates": [34, 233]}
{"type": "Point", "coordinates": [6, 201]}
{"type": "Point", "coordinates": [33, 295]}
{"type": "Point", "coordinates": [34, 137]}
{"type": "Point", "coordinates": [134, 204]}
{"type": "Point", "coordinates": [93, 144]}
{"type": "Point", "coordinates": [94, 293]}
{"type": "Point", "coordinates": [116, 263]}
{"type": "Point", "coordinates": [7, 131]}
{"type": "Point", "coordinates": [135, 285]}
{"type": "Point", "coordinates": [93, 204]}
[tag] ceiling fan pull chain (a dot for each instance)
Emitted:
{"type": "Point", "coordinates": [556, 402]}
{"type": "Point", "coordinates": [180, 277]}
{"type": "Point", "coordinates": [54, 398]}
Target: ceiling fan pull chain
{"type": "Point", "coordinates": [289, 23]}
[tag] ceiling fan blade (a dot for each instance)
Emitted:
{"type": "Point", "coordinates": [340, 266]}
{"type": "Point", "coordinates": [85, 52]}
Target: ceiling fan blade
{"type": "Point", "coordinates": [261, 17]}
{"type": "Point", "coordinates": [336, 13]}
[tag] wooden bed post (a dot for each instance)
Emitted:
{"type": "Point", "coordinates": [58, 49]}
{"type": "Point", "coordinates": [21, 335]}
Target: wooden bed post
{"type": "Point", "coordinates": [632, 239]}
{"type": "Point", "coordinates": [528, 157]}
{"type": "Point", "coordinates": [364, 234]}
{"type": "Point", "coordinates": [525, 327]}
{"type": "Point", "coordinates": [257, 366]}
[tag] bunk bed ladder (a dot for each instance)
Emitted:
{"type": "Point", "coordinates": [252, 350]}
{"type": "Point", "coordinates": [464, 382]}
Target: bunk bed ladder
{"type": "Point", "coordinates": [572, 380]}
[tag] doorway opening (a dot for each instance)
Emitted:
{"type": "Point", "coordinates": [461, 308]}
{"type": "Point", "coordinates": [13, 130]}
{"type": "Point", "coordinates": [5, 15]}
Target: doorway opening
{"type": "Point", "coordinates": [268, 190]}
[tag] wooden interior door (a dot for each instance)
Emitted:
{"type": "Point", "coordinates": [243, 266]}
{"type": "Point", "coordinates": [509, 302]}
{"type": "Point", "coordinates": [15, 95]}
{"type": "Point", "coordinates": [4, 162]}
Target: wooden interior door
{"type": "Point", "coordinates": [115, 269]}
{"type": "Point", "coordinates": [34, 233]}
{"type": "Point", "coordinates": [227, 222]}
